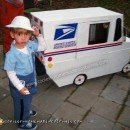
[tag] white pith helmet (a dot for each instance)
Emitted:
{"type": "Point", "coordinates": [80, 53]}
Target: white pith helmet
{"type": "Point", "coordinates": [20, 22]}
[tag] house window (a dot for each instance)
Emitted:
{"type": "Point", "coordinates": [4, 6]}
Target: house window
{"type": "Point", "coordinates": [98, 33]}
{"type": "Point", "coordinates": [118, 29]}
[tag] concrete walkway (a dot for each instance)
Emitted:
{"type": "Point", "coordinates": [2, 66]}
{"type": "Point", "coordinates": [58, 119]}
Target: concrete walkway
{"type": "Point", "coordinates": [100, 104]}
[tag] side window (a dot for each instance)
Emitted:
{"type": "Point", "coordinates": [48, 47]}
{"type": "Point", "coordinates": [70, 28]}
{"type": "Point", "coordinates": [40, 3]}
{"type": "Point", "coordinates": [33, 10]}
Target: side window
{"type": "Point", "coordinates": [118, 29]}
{"type": "Point", "coordinates": [98, 33]}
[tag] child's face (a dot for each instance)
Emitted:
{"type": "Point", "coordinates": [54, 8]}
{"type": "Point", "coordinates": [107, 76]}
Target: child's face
{"type": "Point", "coordinates": [21, 36]}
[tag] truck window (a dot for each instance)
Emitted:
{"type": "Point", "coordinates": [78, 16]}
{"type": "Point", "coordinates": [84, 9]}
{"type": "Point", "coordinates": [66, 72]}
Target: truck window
{"type": "Point", "coordinates": [98, 33]}
{"type": "Point", "coordinates": [118, 30]}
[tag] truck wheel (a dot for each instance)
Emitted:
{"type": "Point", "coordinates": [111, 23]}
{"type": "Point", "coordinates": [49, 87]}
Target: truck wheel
{"type": "Point", "coordinates": [126, 68]}
{"type": "Point", "coordinates": [80, 79]}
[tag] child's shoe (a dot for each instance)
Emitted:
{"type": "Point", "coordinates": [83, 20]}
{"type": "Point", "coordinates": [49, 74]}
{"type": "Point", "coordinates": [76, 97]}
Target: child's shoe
{"type": "Point", "coordinates": [33, 113]}
{"type": "Point", "coordinates": [28, 126]}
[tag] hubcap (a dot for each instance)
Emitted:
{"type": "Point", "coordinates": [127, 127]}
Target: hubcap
{"type": "Point", "coordinates": [79, 79]}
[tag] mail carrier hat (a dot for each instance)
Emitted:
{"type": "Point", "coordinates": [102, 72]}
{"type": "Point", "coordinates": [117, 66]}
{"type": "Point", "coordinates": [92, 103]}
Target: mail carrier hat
{"type": "Point", "coordinates": [20, 22]}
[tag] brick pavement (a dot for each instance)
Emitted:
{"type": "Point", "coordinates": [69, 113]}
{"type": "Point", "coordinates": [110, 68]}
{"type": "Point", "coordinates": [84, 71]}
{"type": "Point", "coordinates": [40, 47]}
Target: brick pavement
{"type": "Point", "coordinates": [100, 104]}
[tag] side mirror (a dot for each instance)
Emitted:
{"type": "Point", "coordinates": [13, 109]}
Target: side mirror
{"type": "Point", "coordinates": [126, 32]}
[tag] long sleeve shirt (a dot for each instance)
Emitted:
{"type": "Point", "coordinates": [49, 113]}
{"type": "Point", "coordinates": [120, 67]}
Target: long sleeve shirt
{"type": "Point", "coordinates": [12, 72]}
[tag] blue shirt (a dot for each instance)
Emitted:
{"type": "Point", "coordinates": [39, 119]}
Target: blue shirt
{"type": "Point", "coordinates": [21, 63]}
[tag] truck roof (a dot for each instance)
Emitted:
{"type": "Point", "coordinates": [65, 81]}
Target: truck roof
{"type": "Point", "coordinates": [77, 13]}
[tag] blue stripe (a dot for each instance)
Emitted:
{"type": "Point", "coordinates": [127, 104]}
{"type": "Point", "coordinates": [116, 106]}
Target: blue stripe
{"type": "Point", "coordinates": [80, 49]}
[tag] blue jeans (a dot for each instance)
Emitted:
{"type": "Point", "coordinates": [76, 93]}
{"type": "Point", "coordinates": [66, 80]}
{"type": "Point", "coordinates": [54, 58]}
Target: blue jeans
{"type": "Point", "coordinates": [22, 109]}
{"type": "Point", "coordinates": [22, 103]}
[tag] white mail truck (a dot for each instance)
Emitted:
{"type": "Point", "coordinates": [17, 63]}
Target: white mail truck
{"type": "Point", "coordinates": [82, 43]}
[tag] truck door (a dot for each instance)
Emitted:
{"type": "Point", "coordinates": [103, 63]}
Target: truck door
{"type": "Point", "coordinates": [92, 35]}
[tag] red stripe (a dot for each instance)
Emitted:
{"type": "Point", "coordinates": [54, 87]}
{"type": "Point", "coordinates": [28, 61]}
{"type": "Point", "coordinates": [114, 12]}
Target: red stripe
{"type": "Point", "coordinates": [83, 49]}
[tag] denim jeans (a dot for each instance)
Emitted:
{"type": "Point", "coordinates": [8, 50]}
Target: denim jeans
{"type": "Point", "coordinates": [22, 103]}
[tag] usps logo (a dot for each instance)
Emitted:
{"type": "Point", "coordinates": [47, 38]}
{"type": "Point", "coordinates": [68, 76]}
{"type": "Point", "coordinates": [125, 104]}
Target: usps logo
{"type": "Point", "coordinates": [65, 31]}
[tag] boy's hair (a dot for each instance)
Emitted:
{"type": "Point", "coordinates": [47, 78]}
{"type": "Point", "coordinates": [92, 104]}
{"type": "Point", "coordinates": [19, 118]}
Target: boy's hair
{"type": "Point", "coordinates": [14, 30]}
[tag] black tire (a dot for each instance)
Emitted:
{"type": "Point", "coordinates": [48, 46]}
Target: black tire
{"type": "Point", "coordinates": [126, 68]}
{"type": "Point", "coordinates": [79, 79]}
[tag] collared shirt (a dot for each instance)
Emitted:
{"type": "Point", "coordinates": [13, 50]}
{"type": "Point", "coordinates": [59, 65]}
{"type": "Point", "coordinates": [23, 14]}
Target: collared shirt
{"type": "Point", "coordinates": [21, 63]}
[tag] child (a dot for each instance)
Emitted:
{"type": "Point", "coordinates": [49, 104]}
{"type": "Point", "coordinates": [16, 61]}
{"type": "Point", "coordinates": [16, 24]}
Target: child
{"type": "Point", "coordinates": [19, 65]}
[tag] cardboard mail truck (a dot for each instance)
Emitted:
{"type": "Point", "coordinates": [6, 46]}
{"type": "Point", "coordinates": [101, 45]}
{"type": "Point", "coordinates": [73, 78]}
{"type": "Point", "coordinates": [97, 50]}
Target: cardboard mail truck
{"type": "Point", "coordinates": [82, 43]}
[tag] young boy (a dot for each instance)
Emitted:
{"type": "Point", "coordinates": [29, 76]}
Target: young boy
{"type": "Point", "coordinates": [19, 65]}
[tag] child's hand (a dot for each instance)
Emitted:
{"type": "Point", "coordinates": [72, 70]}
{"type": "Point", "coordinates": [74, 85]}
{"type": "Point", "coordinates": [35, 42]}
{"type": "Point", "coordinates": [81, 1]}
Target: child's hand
{"type": "Point", "coordinates": [24, 91]}
{"type": "Point", "coordinates": [36, 31]}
